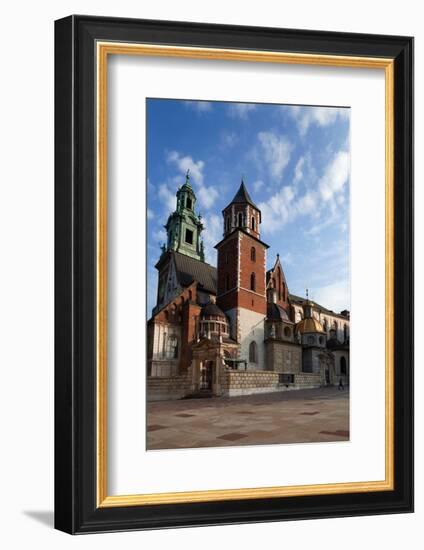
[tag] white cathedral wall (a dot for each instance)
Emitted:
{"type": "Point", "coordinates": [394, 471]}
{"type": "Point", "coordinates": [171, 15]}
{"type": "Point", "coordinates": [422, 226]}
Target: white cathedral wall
{"type": "Point", "coordinates": [250, 326]}
{"type": "Point", "coordinates": [162, 363]}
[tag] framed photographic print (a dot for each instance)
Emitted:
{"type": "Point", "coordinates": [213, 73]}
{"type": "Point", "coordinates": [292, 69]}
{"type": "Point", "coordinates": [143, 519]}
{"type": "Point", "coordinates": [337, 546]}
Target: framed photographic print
{"type": "Point", "coordinates": [234, 274]}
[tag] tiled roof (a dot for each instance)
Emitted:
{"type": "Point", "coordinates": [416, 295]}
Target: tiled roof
{"type": "Point", "coordinates": [276, 312]}
{"type": "Point", "coordinates": [242, 197]}
{"type": "Point", "coordinates": [190, 269]}
{"type": "Point", "coordinates": [301, 301]}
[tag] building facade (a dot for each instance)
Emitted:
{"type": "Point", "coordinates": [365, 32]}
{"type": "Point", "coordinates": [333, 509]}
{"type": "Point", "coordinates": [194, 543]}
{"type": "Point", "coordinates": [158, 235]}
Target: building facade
{"type": "Point", "coordinates": [235, 329]}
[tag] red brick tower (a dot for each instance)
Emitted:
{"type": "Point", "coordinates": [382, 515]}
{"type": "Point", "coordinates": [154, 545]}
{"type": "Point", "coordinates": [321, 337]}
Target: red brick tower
{"type": "Point", "coordinates": [241, 291]}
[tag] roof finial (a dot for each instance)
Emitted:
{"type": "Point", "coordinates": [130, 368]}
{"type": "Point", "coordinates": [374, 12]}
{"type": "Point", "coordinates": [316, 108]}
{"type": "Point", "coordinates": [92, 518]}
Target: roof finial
{"type": "Point", "coordinates": [188, 175]}
{"type": "Point", "coordinates": [307, 294]}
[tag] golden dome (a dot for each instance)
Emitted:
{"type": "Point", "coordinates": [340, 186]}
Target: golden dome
{"type": "Point", "coordinates": [309, 325]}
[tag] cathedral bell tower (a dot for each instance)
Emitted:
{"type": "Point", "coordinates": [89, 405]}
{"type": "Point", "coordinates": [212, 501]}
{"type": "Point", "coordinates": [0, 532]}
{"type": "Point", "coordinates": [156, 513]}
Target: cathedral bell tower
{"type": "Point", "coordinates": [241, 291]}
{"type": "Point", "coordinates": [183, 229]}
{"type": "Point", "coordinates": [184, 226]}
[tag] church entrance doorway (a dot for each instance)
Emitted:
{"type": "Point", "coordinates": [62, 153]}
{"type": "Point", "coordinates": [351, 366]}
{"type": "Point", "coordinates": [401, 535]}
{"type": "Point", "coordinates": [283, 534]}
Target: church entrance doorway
{"type": "Point", "coordinates": [327, 377]}
{"type": "Point", "coordinates": [206, 372]}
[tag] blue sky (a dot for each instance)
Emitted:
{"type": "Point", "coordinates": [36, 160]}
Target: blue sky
{"type": "Point", "coordinates": [295, 162]}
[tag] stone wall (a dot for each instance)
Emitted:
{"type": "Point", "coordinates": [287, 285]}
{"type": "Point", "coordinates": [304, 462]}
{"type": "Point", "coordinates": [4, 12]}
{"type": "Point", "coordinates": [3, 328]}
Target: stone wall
{"type": "Point", "coordinates": [283, 356]}
{"type": "Point", "coordinates": [307, 380]}
{"type": "Point", "coordinates": [233, 383]}
{"type": "Point", "coordinates": [165, 388]}
{"type": "Point", "coordinates": [164, 368]}
{"type": "Point", "coordinates": [248, 382]}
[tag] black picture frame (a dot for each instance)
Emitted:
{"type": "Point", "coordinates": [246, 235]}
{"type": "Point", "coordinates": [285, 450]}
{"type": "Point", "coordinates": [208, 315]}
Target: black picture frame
{"type": "Point", "coordinates": [76, 510]}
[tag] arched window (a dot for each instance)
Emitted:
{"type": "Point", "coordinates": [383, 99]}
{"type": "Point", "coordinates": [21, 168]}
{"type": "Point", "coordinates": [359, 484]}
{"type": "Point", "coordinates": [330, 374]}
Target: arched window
{"type": "Point", "coordinates": [190, 295]}
{"type": "Point", "coordinates": [253, 223]}
{"type": "Point", "coordinates": [284, 292]}
{"type": "Point", "coordinates": [253, 352]}
{"type": "Point", "coordinates": [227, 282]}
{"type": "Point", "coordinates": [345, 332]}
{"type": "Point", "coordinates": [164, 344]}
{"type": "Point", "coordinates": [188, 203]}
{"type": "Point", "coordinates": [253, 254]}
{"type": "Point", "coordinates": [253, 282]}
{"type": "Point", "coordinates": [173, 347]}
{"type": "Point", "coordinates": [240, 219]}
{"type": "Point", "coordinates": [343, 366]}
{"type": "Point", "coordinates": [325, 325]}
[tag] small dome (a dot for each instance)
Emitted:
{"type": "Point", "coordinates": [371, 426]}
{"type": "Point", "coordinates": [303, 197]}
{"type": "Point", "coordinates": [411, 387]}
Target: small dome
{"type": "Point", "coordinates": [212, 309]}
{"type": "Point", "coordinates": [187, 187]}
{"type": "Point", "coordinates": [309, 325]}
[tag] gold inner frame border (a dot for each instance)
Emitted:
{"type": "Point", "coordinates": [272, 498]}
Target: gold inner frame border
{"type": "Point", "coordinates": [103, 50]}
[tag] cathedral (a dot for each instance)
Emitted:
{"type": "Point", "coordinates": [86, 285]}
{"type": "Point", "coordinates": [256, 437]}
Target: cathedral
{"type": "Point", "coordinates": [235, 329]}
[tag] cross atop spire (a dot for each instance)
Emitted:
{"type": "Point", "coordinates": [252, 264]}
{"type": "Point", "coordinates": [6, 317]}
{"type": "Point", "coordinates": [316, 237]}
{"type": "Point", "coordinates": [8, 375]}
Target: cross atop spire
{"type": "Point", "coordinates": [187, 181]}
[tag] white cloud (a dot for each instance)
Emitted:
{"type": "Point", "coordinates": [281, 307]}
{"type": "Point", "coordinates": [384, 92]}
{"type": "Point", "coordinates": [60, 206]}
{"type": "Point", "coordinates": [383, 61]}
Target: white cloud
{"type": "Point", "coordinates": [167, 197]}
{"type": "Point", "coordinates": [318, 227]}
{"type": "Point", "coordinates": [325, 271]}
{"type": "Point", "coordinates": [277, 211]}
{"type": "Point", "coordinates": [298, 171]}
{"type": "Point", "coordinates": [287, 259]}
{"type": "Point", "coordinates": [152, 283]}
{"type": "Point", "coordinates": [212, 235]}
{"type": "Point", "coordinates": [150, 214]}
{"type": "Point", "coordinates": [199, 106]}
{"type": "Point", "coordinates": [205, 195]}
{"type": "Point", "coordinates": [257, 185]}
{"type": "Point", "coordinates": [319, 116]}
{"type": "Point", "coordinates": [307, 204]}
{"type": "Point", "coordinates": [335, 176]}
{"type": "Point", "coordinates": [184, 163]}
{"type": "Point", "coordinates": [240, 110]}
{"type": "Point", "coordinates": [229, 139]}
{"type": "Point", "coordinates": [276, 150]}
{"type": "Point", "coordinates": [159, 236]}
{"type": "Point", "coordinates": [287, 204]}
{"type": "Point", "coordinates": [335, 296]}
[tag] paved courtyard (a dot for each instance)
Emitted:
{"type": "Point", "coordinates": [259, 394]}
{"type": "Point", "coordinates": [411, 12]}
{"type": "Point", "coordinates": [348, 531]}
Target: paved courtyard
{"type": "Point", "coordinates": [301, 416]}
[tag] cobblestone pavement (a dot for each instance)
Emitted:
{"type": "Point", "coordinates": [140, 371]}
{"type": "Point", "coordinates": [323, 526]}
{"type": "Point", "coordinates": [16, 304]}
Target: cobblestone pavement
{"type": "Point", "coordinates": [301, 416]}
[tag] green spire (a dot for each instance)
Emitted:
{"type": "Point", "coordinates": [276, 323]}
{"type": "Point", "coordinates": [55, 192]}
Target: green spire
{"type": "Point", "coordinates": [184, 226]}
{"type": "Point", "coordinates": [187, 181]}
